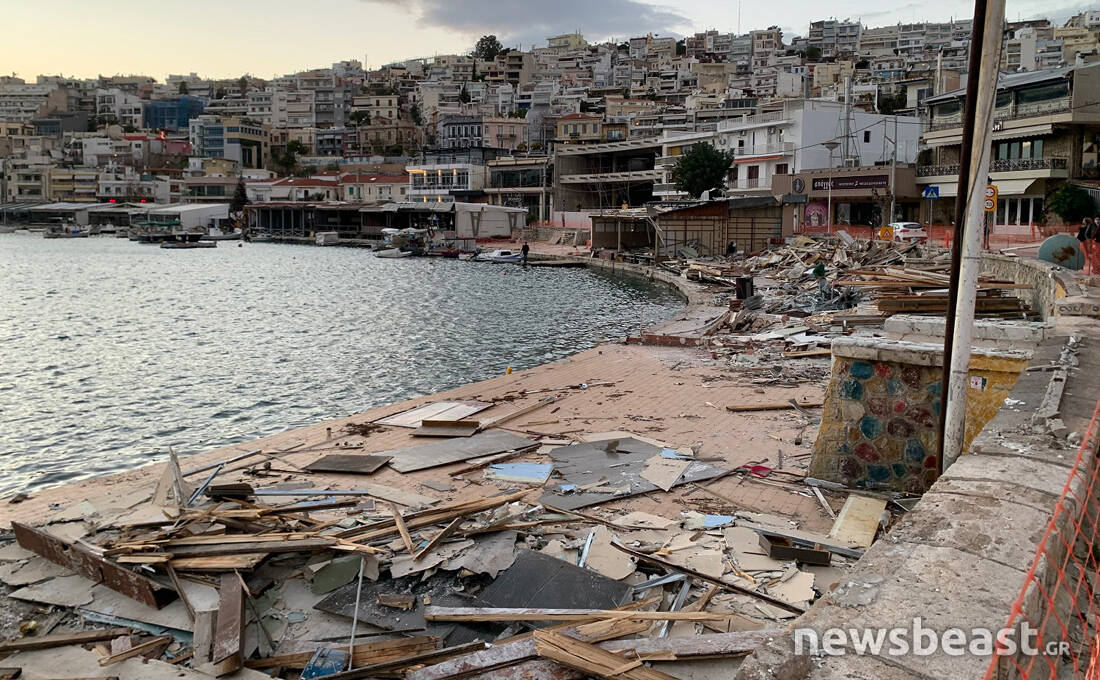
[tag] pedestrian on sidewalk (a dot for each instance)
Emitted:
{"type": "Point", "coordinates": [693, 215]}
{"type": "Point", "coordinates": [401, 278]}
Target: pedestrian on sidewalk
{"type": "Point", "coordinates": [1086, 236]}
{"type": "Point", "coordinates": [526, 250]}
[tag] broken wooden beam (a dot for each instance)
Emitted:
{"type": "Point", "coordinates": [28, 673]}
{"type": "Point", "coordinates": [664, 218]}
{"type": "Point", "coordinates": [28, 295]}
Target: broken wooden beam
{"type": "Point", "coordinates": [477, 614]}
{"type": "Point", "coordinates": [61, 640]}
{"type": "Point", "coordinates": [591, 659]}
{"type": "Point", "coordinates": [225, 654]}
{"type": "Point", "coordinates": [250, 547]}
{"type": "Point", "coordinates": [711, 646]}
{"type": "Point", "coordinates": [86, 563]}
{"type": "Point", "coordinates": [386, 667]}
{"type": "Point", "coordinates": [447, 531]}
{"type": "Point", "coordinates": [156, 645]}
{"type": "Point", "coordinates": [368, 652]}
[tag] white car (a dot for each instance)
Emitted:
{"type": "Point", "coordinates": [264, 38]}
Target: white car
{"type": "Point", "coordinates": [908, 232]}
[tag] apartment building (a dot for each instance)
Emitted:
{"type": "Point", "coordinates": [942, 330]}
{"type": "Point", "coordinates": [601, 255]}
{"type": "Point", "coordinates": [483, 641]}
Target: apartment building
{"type": "Point", "coordinates": [794, 136]}
{"type": "Point", "coordinates": [835, 38]}
{"type": "Point", "coordinates": [73, 185]}
{"type": "Point", "coordinates": [126, 185]}
{"type": "Point", "coordinates": [522, 183]}
{"type": "Point", "coordinates": [1032, 49]}
{"type": "Point", "coordinates": [268, 106]}
{"type": "Point", "coordinates": [1046, 131]}
{"type": "Point", "coordinates": [457, 174]}
{"type": "Point", "coordinates": [236, 139]}
{"type": "Point", "coordinates": [605, 176]}
{"type": "Point", "coordinates": [127, 110]}
{"type": "Point", "coordinates": [20, 102]}
{"type": "Point", "coordinates": [173, 114]}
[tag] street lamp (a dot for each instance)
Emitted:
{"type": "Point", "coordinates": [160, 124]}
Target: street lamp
{"type": "Point", "coordinates": [831, 146]}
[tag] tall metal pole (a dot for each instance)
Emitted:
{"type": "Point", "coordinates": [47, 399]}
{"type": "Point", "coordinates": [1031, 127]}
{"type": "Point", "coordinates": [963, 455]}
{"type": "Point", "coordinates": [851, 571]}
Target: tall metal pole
{"type": "Point", "coordinates": [894, 175]}
{"type": "Point", "coordinates": [981, 91]}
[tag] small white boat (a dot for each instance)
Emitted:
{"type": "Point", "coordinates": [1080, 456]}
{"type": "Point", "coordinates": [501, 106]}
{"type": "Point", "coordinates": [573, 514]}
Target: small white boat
{"type": "Point", "coordinates": [392, 252]}
{"type": "Point", "coordinates": [327, 238]}
{"type": "Point", "coordinates": [7, 229]}
{"type": "Point", "coordinates": [500, 256]}
{"type": "Point", "coordinates": [466, 257]}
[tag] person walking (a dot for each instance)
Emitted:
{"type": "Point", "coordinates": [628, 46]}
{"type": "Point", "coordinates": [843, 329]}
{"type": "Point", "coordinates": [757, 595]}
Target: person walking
{"type": "Point", "coordinates": [1086, 236]}
{"type": "Point", "coordinates": [526, 250]}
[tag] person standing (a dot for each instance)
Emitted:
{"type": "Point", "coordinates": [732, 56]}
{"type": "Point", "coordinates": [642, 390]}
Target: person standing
{"type": "Point", "coordinates": [526, 249]}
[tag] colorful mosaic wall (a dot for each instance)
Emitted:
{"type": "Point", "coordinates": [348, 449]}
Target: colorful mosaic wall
{"type": "Point", "coordinates": [881, 420]}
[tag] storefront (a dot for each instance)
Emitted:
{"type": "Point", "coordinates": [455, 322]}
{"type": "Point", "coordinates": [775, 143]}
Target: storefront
{"type": "Point", "coordinates": [820, 201]}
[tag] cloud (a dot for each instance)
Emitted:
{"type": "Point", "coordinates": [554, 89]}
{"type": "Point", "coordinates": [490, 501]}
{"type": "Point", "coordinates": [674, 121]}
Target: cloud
{"type": "Point", "coordinates": [522, 23]}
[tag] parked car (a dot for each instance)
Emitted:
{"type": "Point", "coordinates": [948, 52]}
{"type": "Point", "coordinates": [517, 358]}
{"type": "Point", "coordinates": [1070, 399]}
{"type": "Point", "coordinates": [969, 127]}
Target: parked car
{"type": "Point", "coordinates": [908, 232]}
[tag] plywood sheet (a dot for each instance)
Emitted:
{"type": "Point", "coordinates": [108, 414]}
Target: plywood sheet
{"type": "Point", "coordinates": [857, 521]}
{"type": "Point", "coordinates": [353, 464]}
{"type": "Point", "coordinates": [440, 410]}
{"type": "Point", "coordinates": [448, 451]}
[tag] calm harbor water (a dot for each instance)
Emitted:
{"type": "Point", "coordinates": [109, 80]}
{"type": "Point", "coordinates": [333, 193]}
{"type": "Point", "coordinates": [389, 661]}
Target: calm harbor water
{"type": "Point", "coordinates": [113, 351]}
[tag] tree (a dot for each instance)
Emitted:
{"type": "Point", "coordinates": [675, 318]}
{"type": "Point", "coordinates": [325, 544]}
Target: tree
{"type": "Point", "coordinates": [487, 48]}
{"type": "Point", "coordinates": [240, 197]}
{"type": "Point", "coordinates": [464, 95]}
{"type": "Point", "coordinates": [242, 84]}
{"type": "Point", "coordinates": [681, 47]}
{"type": "Point", "coordinates": [288, 161]}
{"type": "Point", "coordinates": [888, 104]}
{"type": "Point", "coordinates": [183, 87]}
{"type": "Point", "coordinates": [358, 117]}
{"type": "Point", "coordinates": [331, 167]}
{"type": "Point", "coordinates": [651, 94]}
{"type": "Point", "coordinates": [1071, 203]}
{"type": "Point", "coordinates": [813, 53]}
{"type": "Point", "coordinates": [414, 114]}
{"type": "Point", "coordinates": [701, 168]}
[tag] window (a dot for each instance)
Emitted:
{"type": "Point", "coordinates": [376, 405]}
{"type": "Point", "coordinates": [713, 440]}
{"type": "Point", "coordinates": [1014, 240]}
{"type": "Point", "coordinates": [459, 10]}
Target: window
{"type": "Point", "coordinates": [866, 136]}
{"type": "Point", "coordinates": [754, 172]}
{"type": "Point", "coordinates": [781, 168]}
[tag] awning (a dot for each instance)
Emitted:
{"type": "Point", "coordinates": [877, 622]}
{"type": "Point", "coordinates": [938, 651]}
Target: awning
{"type": "Point", "coordinates": [1005, 187]}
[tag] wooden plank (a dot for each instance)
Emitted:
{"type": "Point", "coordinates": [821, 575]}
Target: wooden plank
{"type": "Point", "coordinates": [218, 563]}
{"type": "Point", "coordinates": [773, 406]}
{"type": "Point", "coordinates": [363, 654]}
{"type": "Point", "coordinates": [86, 563]}
{"type": "Point", "coordinates": [348, 464]}
{"type": "Point", "coordinates": [61, 640]}
{"type": "Point", "coordinates": [447, 531]}
{"type": "Point", "coordinates": [389, 667]}
{"type": "Point", "coordinates": [807, 538]}
{"type": "Point", "coordinates": [500, 420]}
{"type": "Point", "coordinates": [267, 547]}
{"type": "Point", "coordinates": [431, 455]}
{"type": "Point", "coordinates": [402, 529]}
{"type": "Point", "coordinates": [203, 639]}
{"type": "Point", "coordinates": [179, 589]}
{"type": "Point", "coordinates": [443, 410]}
{"type": "Point", "coordinates": [472, 614]}
{"type": "Point", "coordinates": [156, 645]}
{"type": "Point", "coordinates": [447, 428]}
{"type": "Point", "coordinates": [591, 659]}
{"type": "Point", "coordinates": [10, 673]}
{"type": "Point", "coordinates": [858, 520]}
{"type": "Point", "coordinates": [229, 632]}
{"type": "Point", "coordinates": [384, 528]}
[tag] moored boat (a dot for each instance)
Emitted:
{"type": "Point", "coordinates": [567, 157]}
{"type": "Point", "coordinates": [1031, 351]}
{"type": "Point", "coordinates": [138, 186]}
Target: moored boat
{"type": "Point", "coordinates": [392, 252]}
{"type": "Point", "coordinates": [499, 256]}
{"type": "Point", "coordinates": [188, 245]}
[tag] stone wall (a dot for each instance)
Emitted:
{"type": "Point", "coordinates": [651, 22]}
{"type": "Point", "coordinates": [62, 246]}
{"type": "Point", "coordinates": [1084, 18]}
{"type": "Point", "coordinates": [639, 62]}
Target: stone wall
{"type": "Point", "coordinates": [880, 424]}
{"type": "Point", "coordinates": [961, 557]}
{"type": "Point", "coordinates": [1048, 282]}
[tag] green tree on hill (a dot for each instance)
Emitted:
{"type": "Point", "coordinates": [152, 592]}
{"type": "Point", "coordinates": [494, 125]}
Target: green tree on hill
{"type": "Point", "coordinates": [702, 168]}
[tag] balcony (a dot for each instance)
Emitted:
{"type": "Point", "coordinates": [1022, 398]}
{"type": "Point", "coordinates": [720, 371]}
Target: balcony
{"type": "Point", "coordinates": [749, 184]}
{"type": "Point", "coordinates": [764, 149]}
{"type": "Point", "coordinates": [1012, 165]}
{"type": "Point", "coordinates": [1012, 112]}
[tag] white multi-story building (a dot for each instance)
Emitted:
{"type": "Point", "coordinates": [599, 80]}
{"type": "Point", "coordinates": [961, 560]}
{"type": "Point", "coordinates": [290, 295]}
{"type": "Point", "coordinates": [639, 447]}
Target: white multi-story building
{"type": "Point", "coordinates": [792, 139]}
{"type": "Point", "coordinates": [125, 108]}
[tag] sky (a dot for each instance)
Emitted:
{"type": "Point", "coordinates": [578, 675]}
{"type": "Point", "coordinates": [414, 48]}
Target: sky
{"type": "Point", "coordinates": [228, 38]}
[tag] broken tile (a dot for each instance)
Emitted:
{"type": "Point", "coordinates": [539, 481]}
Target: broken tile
{"type": "Point", "coordinates": [643, 520]}
{"type": "Point", "coordinates": [341, 570]}
{"type": "Point", "coordinates": [664, 472]}
{"type": "Point", "coordinates": [606, 559]}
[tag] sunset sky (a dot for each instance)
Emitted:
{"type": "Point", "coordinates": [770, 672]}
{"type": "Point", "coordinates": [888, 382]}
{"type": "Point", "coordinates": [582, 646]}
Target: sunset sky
{"type": "Point", "coordinates": [226, 38]}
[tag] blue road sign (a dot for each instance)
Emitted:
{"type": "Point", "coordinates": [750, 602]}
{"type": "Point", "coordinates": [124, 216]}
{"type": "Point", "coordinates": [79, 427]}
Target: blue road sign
{"type": "Point", "coordinates": [931, 192]}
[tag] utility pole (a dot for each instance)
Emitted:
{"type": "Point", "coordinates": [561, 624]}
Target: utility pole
{"type": "Point", "coordinates": [894, 175]}
{"type": "Point", "coordinates": [981, 92]}
{"type": "Point", "coordinates": [846, 150]}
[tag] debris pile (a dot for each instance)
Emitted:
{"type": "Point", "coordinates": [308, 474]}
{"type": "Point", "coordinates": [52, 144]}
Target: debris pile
{"type": "Point", "coordinates": [211, 577]}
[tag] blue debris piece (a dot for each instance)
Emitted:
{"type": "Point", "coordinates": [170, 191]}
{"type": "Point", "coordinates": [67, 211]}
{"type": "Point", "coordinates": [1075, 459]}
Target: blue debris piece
{"type": "Point", "coordinates": [671, 453]}
{"type": "Point", "coordinates": [711, 521]}
{"type": "Point", "coordinates": [567, 488]}
{"type": "Point", "coordinates": [530, 473]}
{"type": "Point", "coordinates": [325, 661]}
